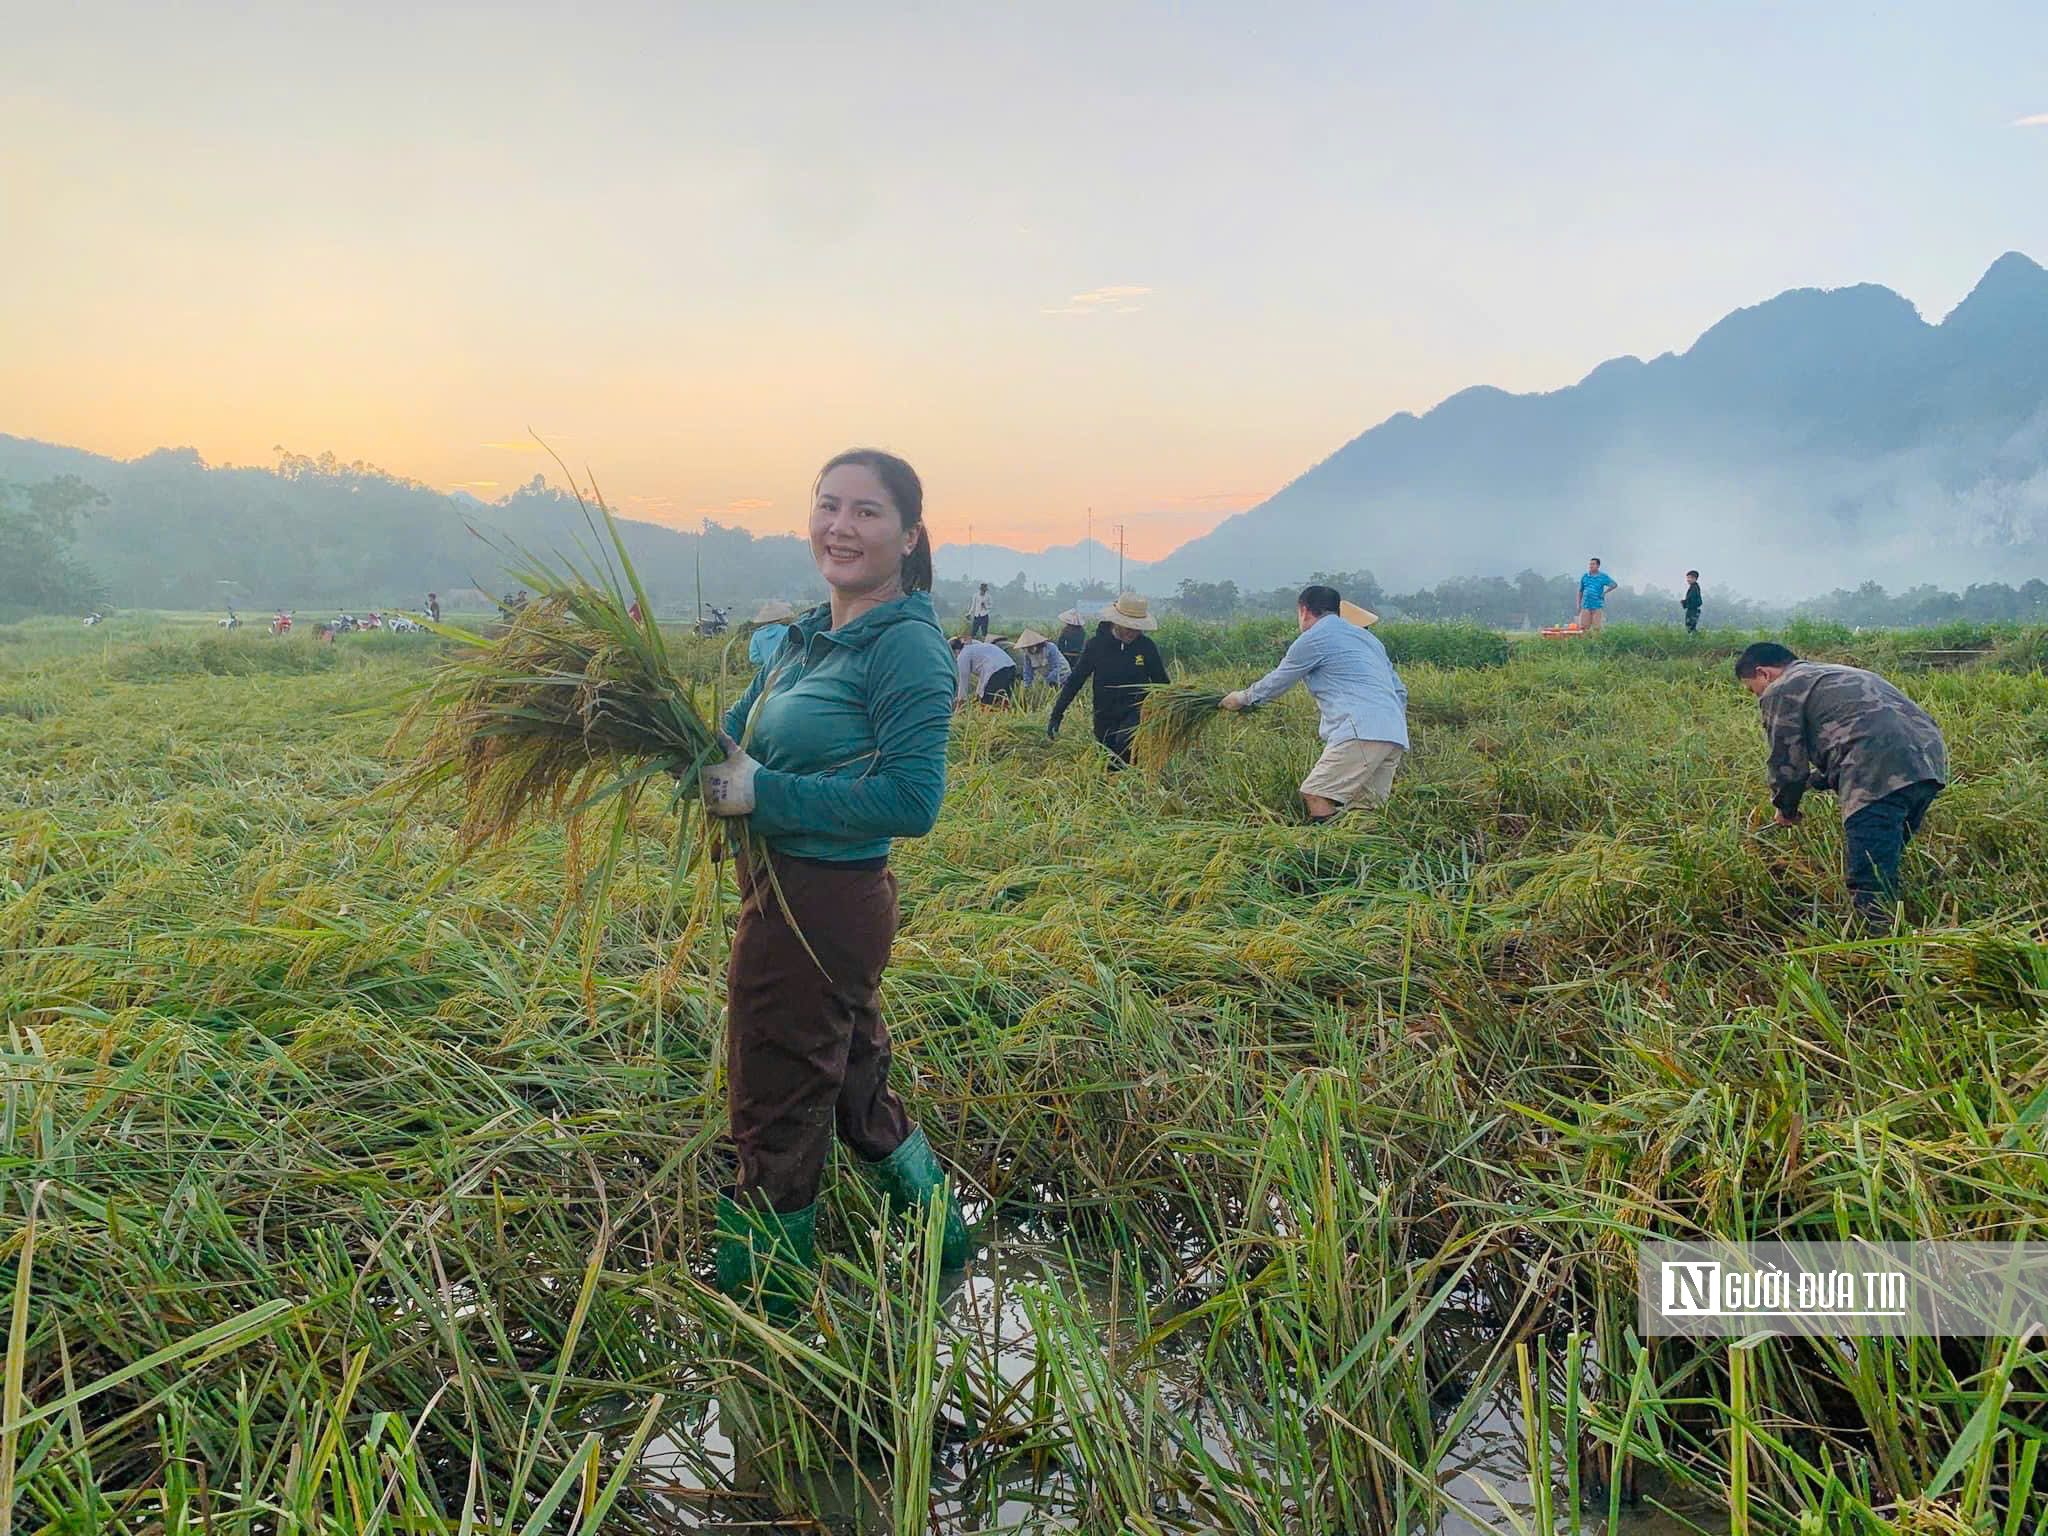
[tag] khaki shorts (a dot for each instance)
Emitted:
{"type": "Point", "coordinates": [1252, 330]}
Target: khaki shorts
{"type": "Point", "coordinates": [1349, 772]}
{"type": "Point", "coordinates": [1592, 618]}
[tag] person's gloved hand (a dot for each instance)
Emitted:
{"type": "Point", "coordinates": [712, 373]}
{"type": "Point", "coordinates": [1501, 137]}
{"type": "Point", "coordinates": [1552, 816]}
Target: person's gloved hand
{"type": "Point", "coordinates": [1052, 730]}
{"type": "Point", "coordinates": [1232, 701]}
{"type": "Point", "coordinates": [729, 786]}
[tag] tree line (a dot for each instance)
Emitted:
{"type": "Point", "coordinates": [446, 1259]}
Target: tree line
{"type": "Point", "coordinates": [169, 531]}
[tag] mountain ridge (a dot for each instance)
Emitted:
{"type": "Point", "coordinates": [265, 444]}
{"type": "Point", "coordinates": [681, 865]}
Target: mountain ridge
{"type": "Point", "coordinates": [1817, 434]}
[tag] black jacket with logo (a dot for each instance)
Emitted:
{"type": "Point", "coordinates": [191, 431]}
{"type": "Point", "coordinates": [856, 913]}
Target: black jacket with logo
{"type": "Point", "coordinates": [1121, 673]}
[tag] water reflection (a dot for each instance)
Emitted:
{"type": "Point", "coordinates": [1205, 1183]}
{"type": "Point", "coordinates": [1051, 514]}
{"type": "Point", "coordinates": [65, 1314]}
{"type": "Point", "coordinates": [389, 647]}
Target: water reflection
{"type": "Point", "coordinates": [714, 1477]}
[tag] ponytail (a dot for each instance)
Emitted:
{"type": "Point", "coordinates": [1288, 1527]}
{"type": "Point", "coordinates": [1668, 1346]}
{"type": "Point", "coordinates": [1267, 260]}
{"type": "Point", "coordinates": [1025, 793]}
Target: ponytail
{"type": "Point", "coordinates": [917, 565]}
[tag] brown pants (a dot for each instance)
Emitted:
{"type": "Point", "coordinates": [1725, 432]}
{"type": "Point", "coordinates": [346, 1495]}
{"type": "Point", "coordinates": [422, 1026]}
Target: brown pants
{"type": "Point", "coordinates": [805, 1049]}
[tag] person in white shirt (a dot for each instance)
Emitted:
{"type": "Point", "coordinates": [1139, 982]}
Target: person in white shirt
{"type": "Point", "coordinates": [1363, 701]}
{"type": "Point", "coordinates": [986, 672]}
{"type": "Point", "coordinates": [978, 612]}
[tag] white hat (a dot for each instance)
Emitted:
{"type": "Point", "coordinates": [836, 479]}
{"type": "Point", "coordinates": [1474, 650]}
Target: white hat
{"type": "Point", "coordinates": [774, 611]}
{"type": "Point", "coordinates": [1131, 611]}
{"type": "Point", "coordinates": [1029, 638]}
{"type": "Point", "coordinates": [1071, 616]}
{"type": "Point", "coordinates": [1364, 618]}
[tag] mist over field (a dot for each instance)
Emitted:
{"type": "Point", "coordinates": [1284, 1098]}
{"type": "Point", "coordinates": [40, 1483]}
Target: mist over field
{"type": "Point", "coordinates": [1820, 439]}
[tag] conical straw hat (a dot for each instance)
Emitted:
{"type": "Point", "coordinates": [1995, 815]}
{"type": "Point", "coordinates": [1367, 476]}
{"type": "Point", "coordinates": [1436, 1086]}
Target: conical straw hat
{"type": "Point", "coordinates": [1029, 638]}
{"type": "Point", "coordinates": [1364, 618]}
{"type": "Point", "coordinates": [774, 611]}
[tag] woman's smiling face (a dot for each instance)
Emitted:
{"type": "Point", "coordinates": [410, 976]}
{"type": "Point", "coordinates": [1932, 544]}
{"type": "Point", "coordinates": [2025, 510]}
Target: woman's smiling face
{"type": "Point", "coordinates": [857, 533]}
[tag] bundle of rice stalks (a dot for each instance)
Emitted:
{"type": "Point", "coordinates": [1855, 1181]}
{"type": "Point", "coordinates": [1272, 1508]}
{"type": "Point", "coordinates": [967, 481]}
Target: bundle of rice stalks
{"type": "Point", "coordinates": [571, 703]}
{"type": "Point", "coordinates": [1174, 714]}
{"type": "Point", "coordinates": [568, 704]}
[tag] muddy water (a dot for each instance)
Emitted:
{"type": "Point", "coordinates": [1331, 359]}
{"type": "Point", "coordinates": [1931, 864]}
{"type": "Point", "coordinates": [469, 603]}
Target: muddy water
{"type": "Point", "coordinates": [986, 1323]}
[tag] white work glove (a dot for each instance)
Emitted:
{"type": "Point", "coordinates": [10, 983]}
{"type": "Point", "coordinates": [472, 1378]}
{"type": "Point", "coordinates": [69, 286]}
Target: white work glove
{"type": "Point", "coordinates": [729, 786]}
{"type": "Point", "coordinates": [1232, 701]}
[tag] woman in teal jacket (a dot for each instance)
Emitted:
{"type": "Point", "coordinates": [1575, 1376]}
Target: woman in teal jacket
{"type": "Point", "coordinates": [844, 732]}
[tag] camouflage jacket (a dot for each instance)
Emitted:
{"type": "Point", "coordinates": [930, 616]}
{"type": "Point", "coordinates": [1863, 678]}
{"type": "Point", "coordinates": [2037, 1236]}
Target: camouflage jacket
{"type": "Point", "coordinates": [1847, 730]}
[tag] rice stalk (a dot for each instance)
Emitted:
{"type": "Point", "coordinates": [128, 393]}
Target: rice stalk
{"type": "Point", "coordinates": [574, 702]}
{"type": "Point", "coordinates": [1173, 716]}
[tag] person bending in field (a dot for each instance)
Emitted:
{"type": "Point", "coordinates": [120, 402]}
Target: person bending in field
{"type": "Point", "coordinates": [845, 750]}
{"type": "Point", "coordinates": [1363, 701]}
{"type": "Point", "coordinates": [985, 672]}
{"type": "Point", "coordinates": [1691, 602]}
{"type": "Point", "coordinates": [1073, 636]}
{"type": "Point", "coordinates": [1120, 660]}
{"type": "Point", "coordinates": [772, 619]}
{"type": "Point", "coordinates": [1848, 730]}
{"type": "Point", "coordinates": [1039, 659]}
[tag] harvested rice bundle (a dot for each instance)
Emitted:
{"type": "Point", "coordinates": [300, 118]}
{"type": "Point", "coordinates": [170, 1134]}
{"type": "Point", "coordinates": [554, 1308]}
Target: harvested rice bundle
{"type": "Point", "coordinates": [572, 702]}
{"type": "Point", "coordinates": [1174, 714]}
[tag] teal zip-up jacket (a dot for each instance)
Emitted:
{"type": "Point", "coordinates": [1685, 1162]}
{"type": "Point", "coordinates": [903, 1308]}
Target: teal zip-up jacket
{"type": "Point", "coordinates": [850, 728]}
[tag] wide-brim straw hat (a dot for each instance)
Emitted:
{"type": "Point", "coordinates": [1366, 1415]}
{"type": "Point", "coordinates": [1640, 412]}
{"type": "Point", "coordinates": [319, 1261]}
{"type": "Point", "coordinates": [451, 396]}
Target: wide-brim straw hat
{"type": "Point", "coordinates": [1364, 618]}
{"type": "Point", "coordinates": [1131, 611]}
{"type": "Point", "coordinates": [1071, 616]}
{"type": "Point", "coordinates": [1029, 638]}
{"type": "Point", "coordinates": [774, 611]}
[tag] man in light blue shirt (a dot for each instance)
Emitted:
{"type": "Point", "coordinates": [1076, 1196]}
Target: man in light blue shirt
{"type": "Point", "coordinates": [1364, 704]}
{"type": "Point", "coordinates": [1593, 587]}
{"type": "Point", "coordinates": [774, 621]}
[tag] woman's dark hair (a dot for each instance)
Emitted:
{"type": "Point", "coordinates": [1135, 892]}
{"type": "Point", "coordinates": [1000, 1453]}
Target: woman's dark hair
{"type": "Point", "coordinates": [1765, 653]}
{"type": "Point", "coordinates": [1319, 600]}
{"type": "Point", "coordinates": [906, 491]}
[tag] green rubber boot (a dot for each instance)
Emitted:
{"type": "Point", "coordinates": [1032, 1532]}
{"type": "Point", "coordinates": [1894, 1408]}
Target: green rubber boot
{"type": "Point", "coordinates": [766, 1254]}
{"type": "Point", "coordinates": [910, 1176]}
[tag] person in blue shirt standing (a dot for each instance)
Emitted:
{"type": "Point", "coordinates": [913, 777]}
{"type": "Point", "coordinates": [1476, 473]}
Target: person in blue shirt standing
{"type": "Point", "coordinates": [772, 623]}
{"type": "Point", "coordinates": [1363, 701]}
{"type": "Point", "coordinates": [1593, 589]}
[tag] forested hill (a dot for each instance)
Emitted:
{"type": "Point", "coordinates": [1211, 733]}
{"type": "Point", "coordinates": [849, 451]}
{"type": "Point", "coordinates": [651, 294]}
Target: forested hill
{"type": "Point", "coordinates": [175, 532]}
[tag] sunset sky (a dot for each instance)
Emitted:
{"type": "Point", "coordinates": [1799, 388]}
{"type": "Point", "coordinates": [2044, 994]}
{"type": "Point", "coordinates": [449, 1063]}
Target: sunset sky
{"type": "Point", "coordinates": [1157, 259]}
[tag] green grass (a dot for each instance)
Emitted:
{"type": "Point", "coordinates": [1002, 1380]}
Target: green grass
{"type": "Point", "coordinates": [337, 1201]}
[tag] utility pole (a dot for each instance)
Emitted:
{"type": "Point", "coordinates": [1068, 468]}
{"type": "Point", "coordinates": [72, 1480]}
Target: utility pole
{"type": "Point", "coordinates": [1119, 557]}
{"type": "Point", "coordinates": [703, 532]}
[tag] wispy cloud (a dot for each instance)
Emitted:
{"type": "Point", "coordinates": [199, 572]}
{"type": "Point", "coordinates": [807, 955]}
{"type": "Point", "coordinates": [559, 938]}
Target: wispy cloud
{"type": "Point", "coordinates": [734, 508]}
{"type": "Point", "coordinates": [526, 445]}
{"type": "Point", "coordinates": [472, 485]}
{"type": "Point", "coordinates": [2038, 120]}
{"type": "Point", "coordinates": [1111, 300]}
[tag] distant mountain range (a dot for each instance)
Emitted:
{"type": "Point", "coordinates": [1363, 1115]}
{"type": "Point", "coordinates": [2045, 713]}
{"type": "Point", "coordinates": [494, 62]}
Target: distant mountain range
{"type": "Point", "coordinates": [1815, 440]}
{"type": "Point", "coordinates": [1071, 563]}
{"type": "Point", "coordinates": [175, 532]}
